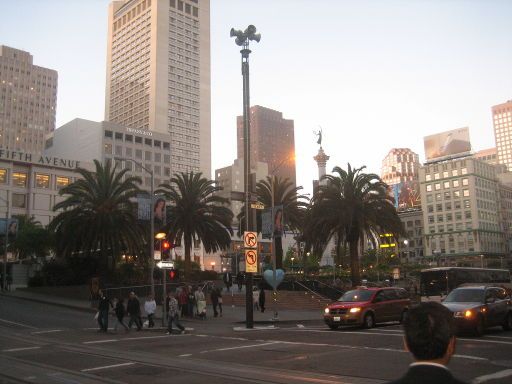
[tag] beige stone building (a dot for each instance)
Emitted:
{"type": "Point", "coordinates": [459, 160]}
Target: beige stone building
{"type": "Point", "coordinates": [489, 155]}
{"type": "Point", "coordinates": [30, 183]}
{"type": "Point", "coordinates": [400, 165]}
{"type": "Point", "coordinates": [502, 121]}
{"type": "Point", "coordinates": [464, 212]}
{"type": "Point", "coordinates": [158, 74]}
{"type": "Point", "coordinates": [28, 101]}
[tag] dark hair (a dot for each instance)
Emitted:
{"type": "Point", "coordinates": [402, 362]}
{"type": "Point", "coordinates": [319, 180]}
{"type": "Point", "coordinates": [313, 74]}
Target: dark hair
{"type": "Point", "coordinates": [428, 328]}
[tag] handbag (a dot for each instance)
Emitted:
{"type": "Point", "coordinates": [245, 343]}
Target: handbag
{"type": "Point", "coordinates": [96, 316]}
{"type": "Point", "coordinates": [220, 300]}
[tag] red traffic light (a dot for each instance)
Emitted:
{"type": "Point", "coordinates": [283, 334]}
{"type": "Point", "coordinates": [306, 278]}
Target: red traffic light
{"type": "Point", "coordinates": [166, 245]}
{"type": "Point", "coordinates": [173, 275]}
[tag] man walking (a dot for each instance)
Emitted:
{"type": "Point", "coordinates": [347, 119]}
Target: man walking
{"type": "Point", "coordinates": [214, 297]}
{"type": "Point", "coordinates": [133, 309]}
{"type": "Point", "coordinates": [150, 308]}
{"type": "Point", "coordinates": [430, 337]}
{"type": "Point", "coordinates": [104, 305]}
{"type": "Point", "coordinates": [172, 315]}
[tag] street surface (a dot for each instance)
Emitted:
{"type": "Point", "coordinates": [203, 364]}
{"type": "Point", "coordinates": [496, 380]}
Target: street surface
{"type": "Point", "coordinates": [42, 343]}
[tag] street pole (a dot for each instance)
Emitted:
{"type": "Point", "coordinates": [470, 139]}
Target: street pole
{"type": "Point", "coordinates": [4, 266]}
{"type": "Point", "coordinates": [152, 222]}
{"type": "Point", "coordinates": [274, 261]}
{"type": "Point", "coordinates": [164, 289]}
{"type": "Point", "coordinates": [242, 39]}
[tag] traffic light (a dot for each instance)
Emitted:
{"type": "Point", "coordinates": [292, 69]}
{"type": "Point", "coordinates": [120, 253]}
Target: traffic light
{"type": "Point", "coordinates": [174, 275]}
{"type": "Point", "coordinates": [166, 250]}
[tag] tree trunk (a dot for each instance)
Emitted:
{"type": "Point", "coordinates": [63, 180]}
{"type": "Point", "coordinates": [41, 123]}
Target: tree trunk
{"type": "Point", "coordinates": [355, 273]}
{"type": "Point", "coordinates": [188, 264]}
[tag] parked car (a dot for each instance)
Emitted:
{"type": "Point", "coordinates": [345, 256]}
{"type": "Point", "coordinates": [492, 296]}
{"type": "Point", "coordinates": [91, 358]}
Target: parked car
{"type": "Point", "coordinates": [478, 307]}
{"type": "Point", "coordinates": [368, 306]}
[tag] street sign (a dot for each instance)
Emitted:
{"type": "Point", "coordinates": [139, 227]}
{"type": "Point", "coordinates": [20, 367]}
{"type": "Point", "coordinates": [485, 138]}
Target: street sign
{"type": "Point", "coordinates": [158, 255]}
{"type": "Point", "coordinates": [250, 239]}
{"type": "Point", "coordinates": [257, 206]}
{"type": "Point", "coordinates": [251, 260]}
{"type": "Point", "coordinates": [237, 196]}
{"type": "Point", "coordinates": [165, 264]}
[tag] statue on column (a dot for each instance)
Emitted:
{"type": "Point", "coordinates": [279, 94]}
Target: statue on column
{"type": "Point", "coordinates": [319, 135]}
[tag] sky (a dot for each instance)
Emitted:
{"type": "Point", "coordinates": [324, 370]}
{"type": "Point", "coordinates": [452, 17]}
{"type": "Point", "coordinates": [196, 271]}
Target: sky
{"type": "Point", "coordinates": [374, 74]}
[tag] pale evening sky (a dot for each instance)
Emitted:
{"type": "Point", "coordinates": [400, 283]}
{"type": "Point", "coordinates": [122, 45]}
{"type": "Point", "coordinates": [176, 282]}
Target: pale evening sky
{"type": "Point", "coordinates": [374, 74]}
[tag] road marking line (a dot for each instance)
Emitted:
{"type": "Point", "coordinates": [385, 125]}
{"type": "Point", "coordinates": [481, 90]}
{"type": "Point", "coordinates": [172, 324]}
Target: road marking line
{"type": "Point", "coordinates": [50, 331]}
{"type": "Point", "coordinates": [20, 349]}
{"type": "Point", "coordinates": [100, 341]}
{"type": "Point", "coordinates": [471, 357]}
{"type": "Point", "coordinates": [185, 355]}
{"type": "Point", "coordinates": [20, 324]}
{"type": "Point", "coordinates": [241, 347]}
{"type": "Point", "coordinates": [149, 337]}
{"type": "Point", "coordinates": [106, 367]}
{"type": "Point", "coordinates": [492, 376]}
{"type": "Point", "coordinates": [501, 337]}
{"type": "Point", "coordinates": [486, 341]}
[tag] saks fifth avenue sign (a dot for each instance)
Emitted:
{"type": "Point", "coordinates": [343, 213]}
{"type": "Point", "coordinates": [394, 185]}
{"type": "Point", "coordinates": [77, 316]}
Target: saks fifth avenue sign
{"type": "Point", "coordinates": [33, 158]}
{"type": "Point", "coordinates": [139, 131]}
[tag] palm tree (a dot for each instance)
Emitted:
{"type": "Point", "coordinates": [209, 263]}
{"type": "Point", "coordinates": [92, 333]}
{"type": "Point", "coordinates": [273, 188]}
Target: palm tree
{"type": "Point", "coordinates": [294, 206]}
{"type": "Point", "coordinates": [98, 217]}
{"type": "Point", "coordinates": [350, 206]}
{"type": "Point", "coordinates": [195, 212]}
{"type": "Point", "coordinates": [32, 238]}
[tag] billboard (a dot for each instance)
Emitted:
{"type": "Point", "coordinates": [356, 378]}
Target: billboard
{"type": "Point", "coordinates": [406, 195]}
{"type": "Point", "coordinates": [11, 225]}
{"type": "Point", "coordinates": [447, 144]}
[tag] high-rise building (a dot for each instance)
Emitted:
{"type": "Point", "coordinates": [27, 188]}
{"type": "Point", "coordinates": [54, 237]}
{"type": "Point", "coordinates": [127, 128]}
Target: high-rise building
{"type": "Point", "coordinates": [158, 74]}
{"type": "Point", "coordinates": [399, 166]}
{"type": "Point", "coordinates": [489, 155]}
{"type": "Point", "coordinates": [502, 120]}
{"type": "Point", "coordinates": [272, 141]}
{"type": "Point", "coordinates": [28, 101]}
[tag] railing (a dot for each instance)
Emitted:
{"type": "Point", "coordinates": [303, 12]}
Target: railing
{"type": "Point", "coordinates": [306, 288]}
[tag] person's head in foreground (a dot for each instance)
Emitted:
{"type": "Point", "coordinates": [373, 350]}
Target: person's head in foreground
{"type": "Point", "coordinates": [430, 333]}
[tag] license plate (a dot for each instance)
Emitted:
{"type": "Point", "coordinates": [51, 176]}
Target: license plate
{"type": "Point", "coordinates": [337, 318]}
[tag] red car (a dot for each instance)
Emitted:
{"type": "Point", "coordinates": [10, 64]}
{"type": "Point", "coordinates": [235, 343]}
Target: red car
{"type": "Point", "coordinates": [368, 306]}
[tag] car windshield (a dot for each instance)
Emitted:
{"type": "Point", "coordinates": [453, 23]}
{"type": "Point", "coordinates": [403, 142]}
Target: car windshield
{"type": "Point", "coordinates": [465, 296]}
{"type": "Point", "coordinates": [357, 295]}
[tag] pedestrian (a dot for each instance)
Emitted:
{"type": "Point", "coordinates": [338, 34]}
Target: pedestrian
{"type": "Point", "coordinates": [262, 299]}
{"type": "Point", "coordinates": [8, 281]}
{"type": "Point", "coordinates": [228, 280]}
{"type": "Point", "coordinates": [119, 312]}
{"type": "Point", "coordinates": [133, 309]}
{"type": "Point", "coordinates": [239, 281]}
{"type": "Point", "coordinates": [429, 335]}
{"type": "Point", "coordinates": [172, 315]}
{"type": "Point", "coordinates": [200, 303]}
{"type": "Point", "coordinates": [191, 301]}
{"type": "Point", "coordinates": [219, 300]}
{"type": "Point", "coordinates": [256, 299]}
{"type": "Point", "coordinates": [182, 301]}
{"type": "Point", "coordinates": [104, 306]}
{"type": "Point", "coordinates": [214, 296]}
{"type": "Point", "coordinates": [150, 308]}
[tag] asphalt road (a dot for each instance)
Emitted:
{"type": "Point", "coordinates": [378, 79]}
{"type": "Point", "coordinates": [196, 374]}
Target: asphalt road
{"type": "Point", "coordinates": [42, 343]}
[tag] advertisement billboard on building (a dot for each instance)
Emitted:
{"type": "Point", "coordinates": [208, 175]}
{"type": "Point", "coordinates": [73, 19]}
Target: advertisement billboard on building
{"type": "Point", "coordinates": [406, 195]}
{"type": "Point", "coordinates": [447, 144]}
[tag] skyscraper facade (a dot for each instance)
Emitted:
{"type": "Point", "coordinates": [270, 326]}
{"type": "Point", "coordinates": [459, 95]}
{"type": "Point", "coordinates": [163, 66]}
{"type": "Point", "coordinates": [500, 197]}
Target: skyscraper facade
{"type": "Point", "coordinates": [28, 101]}
{"type": "Point", "coordinates": [272, 141]}
{"type": "Point", "coordinates": [399, 166]}
{"type": "Point", "coordinates": [502, 120]}
{"type": "Point", "coordinates": [158, 74]}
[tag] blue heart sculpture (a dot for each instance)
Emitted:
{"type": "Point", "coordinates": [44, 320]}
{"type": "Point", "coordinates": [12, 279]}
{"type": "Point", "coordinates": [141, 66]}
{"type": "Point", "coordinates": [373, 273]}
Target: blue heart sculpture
{"type": "Point", "coordinates": [268, 275]}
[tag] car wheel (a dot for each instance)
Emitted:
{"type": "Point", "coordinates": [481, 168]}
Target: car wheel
{"type": "Point", "coordinates": [368, 321]}
{"type": "Point", "coordinates": [403, 316]}
{"type": "Point", "coordinates": [333, 326]}
{"type": "Point", "coordinates": [479, 327]}
{"type": "Point", "coordinates": [507, 325]}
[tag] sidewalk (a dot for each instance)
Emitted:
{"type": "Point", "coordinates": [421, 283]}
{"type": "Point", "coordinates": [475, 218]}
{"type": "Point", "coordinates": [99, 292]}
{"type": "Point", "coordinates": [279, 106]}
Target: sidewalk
{"type": "Point", "coordinates": [232, 315]}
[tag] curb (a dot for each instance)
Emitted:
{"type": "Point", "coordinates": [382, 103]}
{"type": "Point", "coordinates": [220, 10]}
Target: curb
{"type": "Point", "coordinates": [43, 301]}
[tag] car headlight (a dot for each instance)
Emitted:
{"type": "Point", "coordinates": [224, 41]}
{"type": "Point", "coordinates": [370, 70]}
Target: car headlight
{"type": "Point", "coordinates": [326, 310]}
{"type": "Point", "coordinates": [468, 314]}
{"type": "Point", "coordinates": [355, 310]}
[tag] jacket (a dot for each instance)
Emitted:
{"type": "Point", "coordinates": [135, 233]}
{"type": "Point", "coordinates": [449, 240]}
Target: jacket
{"type": "Point", "coordinates": [133, 307]}
{"type": "Point", "coordinates": [173, 307]}
{"type": "Point", "coordinates": [104, 304]}
{"type": "Point", "coordinates": [427, 374]}
{"type": "Point", "coordinates": [119, 310]}
{"type": "Point", "coordinates": [150, 307]}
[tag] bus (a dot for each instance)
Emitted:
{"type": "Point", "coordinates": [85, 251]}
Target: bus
{"type": "Point", "coordinates": [440, 281]}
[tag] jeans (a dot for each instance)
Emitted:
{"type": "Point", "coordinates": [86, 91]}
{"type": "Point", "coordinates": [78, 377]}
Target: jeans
{"type": "Point", "coordinates": [117, 321]}
{"type": "Point", "coordinates": [103, 320]}
{"type": "Point", "coordinates": [135, 319]}
{"type": "Point", "coordinates": [174, 319]}
{"type": "Point", "coordinates": [151, 322]}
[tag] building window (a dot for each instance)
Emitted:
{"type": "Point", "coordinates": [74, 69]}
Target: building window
{"type": "Point", "coordinates": [457, 204]}
{"type": "Point", "coordinates": [445, 174]}
{"type": "Point", "coordinates": [19, 200]}
{"type": "Point", "coordinates": [467, 214]}
{"type": "Point", "coordinates": [119, 136]}
{"type": "Point", "coordinates": [467, 204]}
{"type": "Point", "coordinates": [436, 176]}
{"type": "Point", "coordinates": [430, 208]}
{"type": "Point", "coordinates": [429, 187]}
{"type": "Point", "coordinates": [138, 140]}
{"type": "Point", "coordinates": [428, 177]}
{"type": "Point", "coordinates": [42, 180]}
{"type": "Point", "coordinates": [430, 198]}
{"type": "Point", "coordinates": [129, 152]}
{"type": "Point", "coordinates": [119, 150]}
{"type": "Point", "coordinates": [148, 142]}
{"type": "Point", "coordinates": [446, 184]}
{"type": "Point", "coordinates": [464, 171]}
{"type": "Point", "coordinates": [455, 172]}
{"type": "Point", "coordinates": [465, 192]}
{"type": "Point", "coordinates": [19, 179]}
{"type": "Point", "coordinates": [455, 183]}
{"type": "Point", "coordinates": [128, 138]}
{"type": "Point", "coordinates": [108, 148]}
{"type": "Point", "coordinates": [138, 153]}
{"type": "Point", "coordinates": [157, 143]}
{"type": "Point", "coordinates": [167, 171]}
{"type": "Point", "coordinates": [3, 176]}
{"type": "Point", "coordinates": [108, 134]}
{"type": "Point", "coordinates": [147, 155]}
{"type": "Point", "coordinates": [62, 181]}
{"type": "Point", "coordinates": [437, 186]}
{"type": "Point", "coordinates": [456, 194]}
{"type": "Point", "coordinates": [465, 181]}
{"type": "Point", "coordinates": [167, 145]}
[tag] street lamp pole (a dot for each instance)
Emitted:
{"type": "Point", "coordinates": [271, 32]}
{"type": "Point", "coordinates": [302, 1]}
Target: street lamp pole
{"type": "Point", "coordinates": [4, 266]}
{"type": "Point", "coordinates": [242, 40]}
{"type": "Point", "coordinates": [152, 223]}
